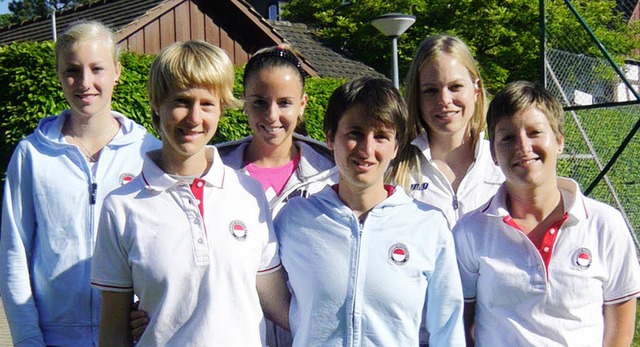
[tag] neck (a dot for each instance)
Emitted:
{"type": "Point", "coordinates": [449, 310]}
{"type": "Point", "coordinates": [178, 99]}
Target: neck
{"type": "Point", "coordinates": [270, 156]}
{"type": "Point", "coordinates": [195, 165]}
{"type": "Point", "coordinates": [535, 203]}
{"type": "Point", "coordinates": [361, 201]}
{"type": "Point", "coordinates": [443, 145]}
{"type": "Point", "coordinates": [92, 128]}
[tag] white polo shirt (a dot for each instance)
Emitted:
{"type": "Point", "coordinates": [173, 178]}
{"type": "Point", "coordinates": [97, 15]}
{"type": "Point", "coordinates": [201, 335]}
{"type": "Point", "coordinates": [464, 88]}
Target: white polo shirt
{"type": "Point", "coordinates": [479, 183]}
{"type": "Point", "coordinates": [520, 301]}
{"type": "Point", "coordinates": [195, 273]}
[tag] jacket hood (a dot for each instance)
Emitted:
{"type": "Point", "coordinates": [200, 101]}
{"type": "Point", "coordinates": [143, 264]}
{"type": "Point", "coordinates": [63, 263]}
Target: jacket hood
{"type": "Point", "coordinates": [49, 131]}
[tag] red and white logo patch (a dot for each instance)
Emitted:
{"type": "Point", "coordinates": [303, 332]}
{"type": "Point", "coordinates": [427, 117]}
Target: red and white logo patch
{"type": "Point", "coordinates": [238, 230]}
{"type": "Point", "coordinates": [126, 178]}
{"type": "Point", "coordinates": [399, 253]}
{"type": "Point", "coordinates": [582, 258]}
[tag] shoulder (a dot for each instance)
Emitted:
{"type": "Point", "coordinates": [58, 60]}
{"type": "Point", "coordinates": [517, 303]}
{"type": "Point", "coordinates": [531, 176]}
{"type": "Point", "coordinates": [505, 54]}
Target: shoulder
{"type": "Point", "coordinates": [313, 149]}
{"type": "Point", "coordinates": [602, 214]}
{"type": "Point", "coordinates": [235, 180]}
{"type": "Point", "coordinates": [485, 167]}
{"type": "Point", "coordinates": [230, 146]}
{"type": "Point", "coordinates": [471, 221]}
{"type": "Point", "coordinates": [299, 207]}
{"type": "Point", "coordinates": [132, 191]}
{"type": "Point", "coordinates": [232, 152]}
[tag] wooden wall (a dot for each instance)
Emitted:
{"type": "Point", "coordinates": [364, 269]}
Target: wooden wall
{"type": "Point", "coordinates": [182, 22]}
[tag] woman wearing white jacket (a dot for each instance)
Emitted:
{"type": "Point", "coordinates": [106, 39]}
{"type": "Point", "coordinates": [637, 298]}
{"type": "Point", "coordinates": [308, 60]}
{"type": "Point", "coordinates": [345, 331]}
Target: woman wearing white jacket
{"type": "Point", "coordinates": [56, 181]}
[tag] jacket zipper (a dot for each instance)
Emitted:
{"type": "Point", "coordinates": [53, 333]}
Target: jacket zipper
{"type": "Point", "coordinates": [355, 285]}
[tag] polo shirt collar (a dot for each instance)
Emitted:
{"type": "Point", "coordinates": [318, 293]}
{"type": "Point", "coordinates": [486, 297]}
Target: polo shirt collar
{"type": "Point", "coordinates": [156, 179]}
{"type": "Point", "coordinates": [573, 200]}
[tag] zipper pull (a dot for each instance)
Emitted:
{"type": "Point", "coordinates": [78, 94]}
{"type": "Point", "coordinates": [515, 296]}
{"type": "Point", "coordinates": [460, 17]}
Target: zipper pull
{"type": "Point", "coordinates": [93, 193]}
{"type": "Point", "coordinates": [455, 202]}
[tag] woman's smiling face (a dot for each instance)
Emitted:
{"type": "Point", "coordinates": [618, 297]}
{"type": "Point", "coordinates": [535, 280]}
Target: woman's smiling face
{"type": "Point", "coordinates": [274, 103]}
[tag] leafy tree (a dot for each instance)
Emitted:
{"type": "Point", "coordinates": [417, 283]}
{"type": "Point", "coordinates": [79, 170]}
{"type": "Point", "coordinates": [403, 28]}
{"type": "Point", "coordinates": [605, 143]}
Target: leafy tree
{"type": "Point", "coordinates": [5, 19]}
{"type": "Point", "coordinates": [502, 34]}
{"type": "Point", "coordinates": [22, 10]}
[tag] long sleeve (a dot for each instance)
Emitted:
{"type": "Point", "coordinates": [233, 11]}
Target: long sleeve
{"type": "Point", "coordinates": [16, 237]}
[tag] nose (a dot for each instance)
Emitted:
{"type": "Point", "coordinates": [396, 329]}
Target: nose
{"type": "Point", "coordinates": [272, 112]}
{"type": "Point", "coordinates": [523, 143]}
{"type": "Point", "coordinates": [444, 97]}
{"type": "Point", "coordinates": [86, 79]}
{"type": "Point", "coordinates": [366, 145]}
{"type": "Point", "coordinates": [195, 114]}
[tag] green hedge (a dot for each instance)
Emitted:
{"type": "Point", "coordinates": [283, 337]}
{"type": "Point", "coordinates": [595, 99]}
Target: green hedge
{"type": "Point", "coordinates": [31, 91]}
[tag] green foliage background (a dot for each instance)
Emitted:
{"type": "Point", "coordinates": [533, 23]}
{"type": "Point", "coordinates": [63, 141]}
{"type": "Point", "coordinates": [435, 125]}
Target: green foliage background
{"type": "Point", "coordinates": [503, 35]}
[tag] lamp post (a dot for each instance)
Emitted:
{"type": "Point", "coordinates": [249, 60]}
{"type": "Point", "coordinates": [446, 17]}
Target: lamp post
{"type": "Point", "coordinates": [393, 25]}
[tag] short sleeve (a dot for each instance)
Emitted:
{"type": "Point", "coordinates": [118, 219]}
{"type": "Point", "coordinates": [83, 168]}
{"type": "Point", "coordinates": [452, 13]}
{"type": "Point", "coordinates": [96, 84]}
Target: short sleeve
{"type": "Point", "coordinates": [110, 269]}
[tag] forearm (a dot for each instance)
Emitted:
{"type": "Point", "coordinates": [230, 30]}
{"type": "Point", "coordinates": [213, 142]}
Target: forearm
{"type": "Point", "coordinates": [274, 297]}
{"type": "Point", "coordinates": [114, 321]}
{"type": "Point", "coordinates": [469, 323]}
{"type": "Point", "coordinates": [619, 323]}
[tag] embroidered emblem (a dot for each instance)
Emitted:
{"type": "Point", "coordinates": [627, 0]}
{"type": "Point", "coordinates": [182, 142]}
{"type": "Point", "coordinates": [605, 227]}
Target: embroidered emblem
{"type": "Point", "coordinates": [126, 178]}
{"type": "Point", "coordinates": [582, 258]}
{"type": "Point", "coordinates": [238, 230]}
{"type": "Point", "coordinates": [399, 253]}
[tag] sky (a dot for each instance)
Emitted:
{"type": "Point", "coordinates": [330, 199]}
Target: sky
{"type": "Point", "coordinates": [4, 6]}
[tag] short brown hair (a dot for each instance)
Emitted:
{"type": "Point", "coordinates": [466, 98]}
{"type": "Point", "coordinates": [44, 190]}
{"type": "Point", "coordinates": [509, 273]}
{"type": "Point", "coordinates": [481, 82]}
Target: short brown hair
{"type": "Point", "coordinates": [521, 95]}
{"type": "Point", "coordinates": [378, 95]}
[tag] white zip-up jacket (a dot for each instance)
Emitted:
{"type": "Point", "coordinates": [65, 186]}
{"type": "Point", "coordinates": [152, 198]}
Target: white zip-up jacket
{"type": "Point", "coordinates": [478, 185]}
{"type": "Point", "coordinates": [315, 170]}
{"type": "Point", "coordinates": [364, 284]}
{"type": "Point", "coordinates": [51, 206]}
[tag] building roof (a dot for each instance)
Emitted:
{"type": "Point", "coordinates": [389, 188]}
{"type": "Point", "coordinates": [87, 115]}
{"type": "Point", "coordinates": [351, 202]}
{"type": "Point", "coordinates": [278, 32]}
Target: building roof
{"type": "Point", "coordinates": [127, 15]}
{"type": "Point", "coordinates": [325, 60]}
{"type": "Point", "coordinates": [114, 13]}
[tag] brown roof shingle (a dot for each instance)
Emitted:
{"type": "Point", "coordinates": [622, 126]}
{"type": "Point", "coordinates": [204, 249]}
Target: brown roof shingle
{"type": "Point", "coordinates": [114, 13]}
{"type": "Point", "coordinates": [327, 62]}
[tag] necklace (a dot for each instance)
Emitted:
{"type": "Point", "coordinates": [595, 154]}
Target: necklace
{"type": "Point", "coordinates": [91, 157]}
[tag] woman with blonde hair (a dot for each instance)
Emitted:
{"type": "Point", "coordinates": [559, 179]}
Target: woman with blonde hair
{"type": "Point", "coordinates": [447, 163]}
{"type": "Point", "coordinates": [191, 237]}
{"type": "Point", "coordinates": [56, 181]}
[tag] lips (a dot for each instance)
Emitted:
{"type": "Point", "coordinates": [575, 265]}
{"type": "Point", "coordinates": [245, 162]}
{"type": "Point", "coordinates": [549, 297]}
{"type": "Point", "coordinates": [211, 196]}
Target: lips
{"type": "Point", "coordinates": [86, 97]}
{"type": "Point", "coordinates": [190, 135]}
{"type": "Point", "coordinates": [526, 162]}
{"type": "Point", "coordinates": [272, 130]}
{"type": "Point", "coordinates": [362, 165]}
{"type": "Point", "coordinates": [447, 114]}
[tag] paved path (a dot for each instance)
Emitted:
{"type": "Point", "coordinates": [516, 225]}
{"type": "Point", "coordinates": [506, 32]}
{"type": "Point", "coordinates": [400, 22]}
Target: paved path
{"type": "Point", "coordinates": [5, 336]}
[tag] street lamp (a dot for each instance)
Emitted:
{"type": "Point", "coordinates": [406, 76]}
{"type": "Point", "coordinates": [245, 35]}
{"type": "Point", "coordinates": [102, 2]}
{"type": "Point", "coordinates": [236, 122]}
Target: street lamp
{"type": "Point", "coordinates": [393, 25]}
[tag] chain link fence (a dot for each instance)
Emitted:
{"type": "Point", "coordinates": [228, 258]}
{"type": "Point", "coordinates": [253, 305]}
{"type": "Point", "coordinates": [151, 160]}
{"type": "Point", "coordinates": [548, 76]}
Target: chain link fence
{"type": "Point", "coordinates": [602, 108]}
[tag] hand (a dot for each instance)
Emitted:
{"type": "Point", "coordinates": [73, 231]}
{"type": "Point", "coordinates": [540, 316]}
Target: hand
{"type": "Point", "coordinates": [139, 322]}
